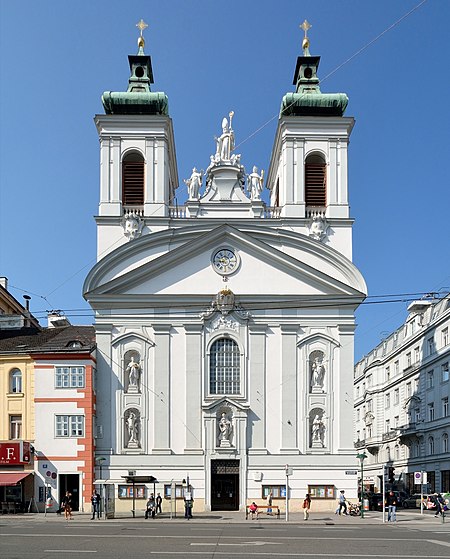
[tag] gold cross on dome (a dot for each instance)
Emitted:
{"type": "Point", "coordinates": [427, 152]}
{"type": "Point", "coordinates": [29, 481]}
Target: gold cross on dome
{"type": "Point", "coordinates": [141, 26]}
{"type": "Point", "coordinates": [305, 26]}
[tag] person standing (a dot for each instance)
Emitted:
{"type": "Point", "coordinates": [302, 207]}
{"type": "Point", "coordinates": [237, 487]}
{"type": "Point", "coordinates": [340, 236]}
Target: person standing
{"type": "Point", "coordinates": [306, 506]}
{"type": "Point", "coordinates": [158, 504]}
{"type": "Point", "coordinates": [67, 505]}
{"type": "Point", "coordinates": [95, 501]}
{"type": "Point", "coordinates": [342, 503]}
{"type": "Point", "coordinates": [391, 502]}
{"type": "Point", "coordinates": [188, 504]}
{"type": "Point", "coordinates": [269, 502]}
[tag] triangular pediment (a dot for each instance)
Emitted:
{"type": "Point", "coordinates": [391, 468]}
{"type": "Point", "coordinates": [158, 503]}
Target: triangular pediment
{"type": "Point", "coordinates": [224, 402]}
{"type": "Point", "coordinates": [264, 269]}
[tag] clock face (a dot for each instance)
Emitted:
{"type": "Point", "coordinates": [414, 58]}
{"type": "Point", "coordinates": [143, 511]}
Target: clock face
{"type": "Point", "coordinates": [225, 261]}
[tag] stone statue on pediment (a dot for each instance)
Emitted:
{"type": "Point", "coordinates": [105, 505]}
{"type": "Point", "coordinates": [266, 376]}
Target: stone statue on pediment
{"type": "Point", "coordinates": [225, 142]}
{"type": "Point", "coordinates": [194, 183]}
{"type": "Point", "coordinates": [255, 184]}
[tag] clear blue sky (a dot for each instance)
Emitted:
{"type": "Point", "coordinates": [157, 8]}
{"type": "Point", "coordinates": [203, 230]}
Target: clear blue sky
{"type": "Point", "coordinates": [58, 57]}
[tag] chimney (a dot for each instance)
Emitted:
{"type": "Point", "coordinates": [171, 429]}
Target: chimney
{"type": "Point", "coordinates": [4, 283]}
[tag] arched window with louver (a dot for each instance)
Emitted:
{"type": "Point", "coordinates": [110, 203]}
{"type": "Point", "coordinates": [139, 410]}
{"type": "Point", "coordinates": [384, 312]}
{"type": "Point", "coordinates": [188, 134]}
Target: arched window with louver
{"type": "Point", "coordinates": [315, 182]}
{"type": "Point", "coordinates": [133, 180]}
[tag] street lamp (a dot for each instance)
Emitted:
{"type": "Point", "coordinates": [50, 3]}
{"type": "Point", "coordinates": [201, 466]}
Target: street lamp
{"type": "Point", "coordinates": [100, 461]}
{"type": "Point", "coordinates": [362, 456]}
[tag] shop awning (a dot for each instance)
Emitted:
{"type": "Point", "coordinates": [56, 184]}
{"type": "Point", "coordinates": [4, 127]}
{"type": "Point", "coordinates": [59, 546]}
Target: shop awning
{"type": "Point", "coordinates": [12, 478]}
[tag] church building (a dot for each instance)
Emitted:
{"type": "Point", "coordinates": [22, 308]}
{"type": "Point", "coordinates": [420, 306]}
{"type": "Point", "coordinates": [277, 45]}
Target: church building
{"type": "Point", "coordinates": [225, 327]}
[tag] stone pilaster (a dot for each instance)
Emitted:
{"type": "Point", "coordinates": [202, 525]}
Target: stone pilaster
{"type": "Point", "coordinates": [193, 388]}
{"type": "Point", "coordinates": [289, 389]}
{"type": "Point", "coordinates": [257, 389]}
{"type": "Point", "coordinates": [161, 396]}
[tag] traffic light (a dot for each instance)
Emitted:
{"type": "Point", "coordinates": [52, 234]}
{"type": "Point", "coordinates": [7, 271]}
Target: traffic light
{"type": "Point", "coordinates": [391, 471]}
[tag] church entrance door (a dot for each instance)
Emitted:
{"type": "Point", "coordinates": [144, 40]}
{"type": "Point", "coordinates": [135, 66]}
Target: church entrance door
{"type": "Point", "coordinates": [225, 485]}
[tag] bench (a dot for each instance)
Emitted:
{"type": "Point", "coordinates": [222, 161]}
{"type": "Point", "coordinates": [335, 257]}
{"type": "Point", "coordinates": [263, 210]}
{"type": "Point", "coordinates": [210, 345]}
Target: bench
{"type": "Point", "coordinates": [275, 511]}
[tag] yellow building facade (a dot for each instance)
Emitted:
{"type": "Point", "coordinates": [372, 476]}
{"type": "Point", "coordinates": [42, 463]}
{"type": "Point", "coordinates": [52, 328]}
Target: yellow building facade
{"type": "Point", "coordinates": [16, 397]}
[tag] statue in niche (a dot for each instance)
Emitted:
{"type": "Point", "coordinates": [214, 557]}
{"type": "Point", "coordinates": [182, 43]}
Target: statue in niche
{"type": "Point", "coordinates": [194, 183]}
{"type": "Point", "coordinates": [132, 423]}
{"type": "Point", "coordinates": [317, 432]}
{"type": "Point", "coordinates": [255, 184]}
{"type": "Point", "coordinates": [225, 430]}
{"type": "Point", "coordinates": [317, 372]}
{"type": "Point", "coordinates": [134, 375]}
{"type": "Point", "coordinates": [225, 143]}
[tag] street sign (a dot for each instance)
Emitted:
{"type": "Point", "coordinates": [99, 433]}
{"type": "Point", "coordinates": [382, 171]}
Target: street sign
{"type": "Point", "coordinates": [420, 478]}
{"type": "Point", "coordinates": [351, 472]}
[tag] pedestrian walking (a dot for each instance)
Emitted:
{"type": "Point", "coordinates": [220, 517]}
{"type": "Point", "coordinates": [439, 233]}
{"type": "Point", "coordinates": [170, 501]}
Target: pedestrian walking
{"type": "Point", "coordinates": [306, 506]}
{"type": "Point", "coordinates": [391, 503]}
{"type": "Point", "coordinates": [158, 504]}
{"type": "Point", "coordinates": [439, 502]}
{"type": "Point", "coordinates": [95, 501]}
{"type": "Point", "coordinates": [342, 503]}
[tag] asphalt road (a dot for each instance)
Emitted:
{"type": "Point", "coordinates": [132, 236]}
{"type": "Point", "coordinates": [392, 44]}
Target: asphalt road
{"type": "Point", "coordinates": [21, 539]}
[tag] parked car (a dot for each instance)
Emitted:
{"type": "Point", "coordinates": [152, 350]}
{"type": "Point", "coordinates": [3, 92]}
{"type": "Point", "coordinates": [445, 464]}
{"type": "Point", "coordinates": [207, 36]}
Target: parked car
{"type": "Point", "coordinates": [376, 501]}
{"type": "Point", "coordinates": [413, 502]}
{"type": "Point", "coordinates": [401, 496]}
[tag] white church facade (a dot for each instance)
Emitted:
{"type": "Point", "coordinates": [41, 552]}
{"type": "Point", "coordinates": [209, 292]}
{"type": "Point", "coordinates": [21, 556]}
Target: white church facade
{"type": "Point", "coordinates": [225, 327]}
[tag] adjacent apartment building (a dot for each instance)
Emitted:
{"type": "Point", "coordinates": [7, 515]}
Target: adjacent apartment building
{"type": "Point", "coordinates": [401, 391]}
{"type": "Point", "coordinates": [47, 410]}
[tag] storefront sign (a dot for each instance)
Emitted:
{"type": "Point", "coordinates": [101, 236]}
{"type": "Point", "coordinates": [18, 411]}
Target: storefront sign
{"type": "Point", "coordinates": [15, 452]}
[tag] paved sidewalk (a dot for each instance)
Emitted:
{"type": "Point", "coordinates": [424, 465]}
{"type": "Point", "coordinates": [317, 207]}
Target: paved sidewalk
{"type": "Point", "coordinates": [370, 518]}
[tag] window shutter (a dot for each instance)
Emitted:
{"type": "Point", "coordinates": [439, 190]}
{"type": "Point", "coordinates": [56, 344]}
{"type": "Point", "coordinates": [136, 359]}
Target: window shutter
{"type": "Point", "coordinates": [133, 183]}
{"type": "Point", "coordinates": [315, 184]}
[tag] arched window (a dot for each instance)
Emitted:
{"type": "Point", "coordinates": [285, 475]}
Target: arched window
{"type": "Point", "coordinates": [397, 452]}
{"type": "Point", "coordinates": [15, 380]}
{"type": "Point", "coordinates": [133, 180]}
{"type": "Point", "coordinates": [431, 445]}
{"type": "Point", "coordinates": [315, 181]}
{"type": "Point", "coordinates": [388, 453]}
{"type": "Point", "coordinates": [445, 442]}
{"type": "Point", "coordinates": [224, 367]}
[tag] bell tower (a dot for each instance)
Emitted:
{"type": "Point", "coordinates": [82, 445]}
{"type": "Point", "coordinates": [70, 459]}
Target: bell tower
{"type": "Point", "coordinates": [138, 169]}
{"type": "Point", "coordinates": [308, 171]}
